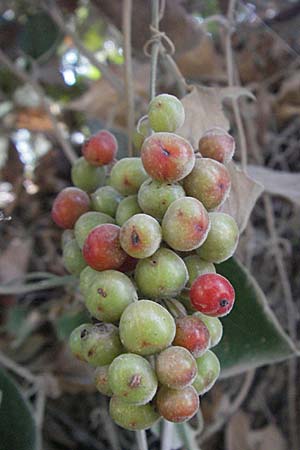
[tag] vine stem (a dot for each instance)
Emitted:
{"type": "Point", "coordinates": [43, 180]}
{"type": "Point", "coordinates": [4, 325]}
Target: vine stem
{"type": "Point", "coordinates": [141, 440]}
{"type": "Point", "coordinates": [155, 47]}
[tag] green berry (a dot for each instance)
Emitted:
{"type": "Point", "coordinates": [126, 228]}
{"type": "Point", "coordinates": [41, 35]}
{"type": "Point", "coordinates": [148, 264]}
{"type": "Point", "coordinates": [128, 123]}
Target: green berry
{"type": "Point", "coordinates": [72, 257]}
{"type": "Point", "coordinates": [140, 236]}
{"type": "Point", "coordinates": [222, 239]}
{"type": "Point", "coordinates": [106, 293]}
{"type": "Point", "coordinates": [67, 235]}
{"type": "Point", "coordinates": [106, 200]}
{"type": "Point", "coordinates": [166, 113]}
{"type": "Point", "coordinates": [101, 381]}
{"type": "Point", "coordinates": [214, 326]}
{"type": "Point", "coordinates": [87, 222]}
{"type": "Point", "coordinates": [87, 177]}
{"type": "Point", "coordinates": [146, 328]}
{"type": "Point", "coordinates": [140, 135]}
{"type": "Point", "coordinates": [176, 367]}
{"type": "Point", "coordinates": [127, 175]}
{"type": "Point", "coordinates": [208, 372]}
{"type": "Point", "coordinates": [155, 197]}
{"type": "Point", "coordinates": [132, 417]}
{"type": "Point", "coordinates": [127, 208]}
{"type": "Point", "coordinates": [162, 275]}
{"type": "Point", "coordinates": [132, 378]}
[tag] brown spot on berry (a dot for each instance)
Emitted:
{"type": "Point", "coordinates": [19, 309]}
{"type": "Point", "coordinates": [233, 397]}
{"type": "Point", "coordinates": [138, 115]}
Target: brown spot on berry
{"type": "Point", "coordinates": [224, 302]}
{"type": "Point", "coordinates": [135, 239]}
{"type": "Point", "coordinates": [84, 333]}
{"type": "Point", "coordinates": [91, 352]}
{"type": "Point", "coordinates": [145, 344]}
{"type": "Point", "coordinates": [135, 381]}
{"type": "Point", "coordinates": [102, 292]}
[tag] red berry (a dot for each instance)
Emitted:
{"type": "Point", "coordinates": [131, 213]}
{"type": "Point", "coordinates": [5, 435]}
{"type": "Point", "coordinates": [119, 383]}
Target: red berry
{"type": "Point", "coordinates": [100, 149]}
{"type": "Point", "coordinates": [192, 333]}
{"type": "Point", "coordinates": [102, 248]}
{"type": "Point", "coordinates": [212, 295]}
{"type": "Point", "coordinates": [68, 206]}
{"type": "Point", "coordinates": [177, 405]}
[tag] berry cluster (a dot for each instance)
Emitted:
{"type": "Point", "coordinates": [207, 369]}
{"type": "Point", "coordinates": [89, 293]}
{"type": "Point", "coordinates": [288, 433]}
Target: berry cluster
{"type": "Point", "coordinates": [144, 246]}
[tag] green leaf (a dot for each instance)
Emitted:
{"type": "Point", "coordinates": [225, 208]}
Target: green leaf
{"type": "Point", "coordinates": [17, 426]}
{"type": "Point", "coordinates": [252, 336]}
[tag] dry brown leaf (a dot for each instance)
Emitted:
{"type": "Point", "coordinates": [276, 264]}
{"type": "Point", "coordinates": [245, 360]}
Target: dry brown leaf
{"type": "Point", "coordinates": [269, 437]}
{"type": "Point", "coordinates": [14, 260]}
{"type": "Point", "coordinates": [237, 431]}
{"type": "Point", "coordinates": [243, 196]}
{"type": "Point", "coordinates": [275, 182]}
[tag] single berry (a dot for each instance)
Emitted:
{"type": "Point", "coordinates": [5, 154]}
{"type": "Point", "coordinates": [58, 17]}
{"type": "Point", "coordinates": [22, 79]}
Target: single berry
{"type": "Point", "coordinates": [222, 239]}
{"type": "Point", "coordinates": [177, 405]}
{"type": "Point", "coordinates": [106, 200]}
{"type": "Point", "coordinates": [127, 208]}
{"type": "Point", "coordinates": [102, 248]}
{"type": "Point", "coordinates": [106, 293]}
{"type": "Point", "coordinates": [87, 222]}
{"type": "Point", "coordinates": [146, 328]}
{"type": "Point", "coordinates": [140, 236]}
{"type": "Point", "coordinates": [166, 113]}
{"type": "Point", "coordinates": [208, 372]}
{"type": "Point", "coordinates": [100, 149]}
{"type": "Point", "coordinates": [155, 197]}
{"type": "Point", "coordinates": [87, 177]}
{"type": "Point", "coordinates": [209, 182]}
{"type": "Point", "coordinates": [167, 157]}
{"type": "Point", "coordinates": [72, 257]}
{"type": "Point", "coordinates": [132, 417]}
{"type": "Point", "coordinates": [214, 326]}
{"type": "Point", "coordinates": [97, 344]}
{"type": "Point", "coordinates": [192, 333]}
{"type": "Point", "coordinates": [101, 381]}
{"type": "Point", "coordinates": [176, 367]}
{"type": "Point", "coordinates": [127, 175]}
{"type": "Point", "coordinates": [68, 206]}
{"type": "Point", "coordinates": [212, 295]}
{"type": "Point", "coordinates": [161, 275]}
{"type": "Point", "coordinates": [217, 144]}
{"type": "Point", "coordinates": [186, 224]}
{"type": "Point", "coordinates": [132, 378]}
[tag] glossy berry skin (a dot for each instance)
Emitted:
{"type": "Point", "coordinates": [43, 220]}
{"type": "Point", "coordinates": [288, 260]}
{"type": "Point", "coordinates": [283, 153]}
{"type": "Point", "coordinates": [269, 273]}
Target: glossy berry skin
{"type": "Point", "coordinates": [102, 248]}
{"type": "Point", "coordinates": [127, 175]}
{"type": "Point", "coordinates": [146, 328]}
{"type": "Point", "coordinates": [214, 326]}
{"type": "Point", "coordinates": [106, 200]}
{"type": "Point", "coordinates": [106, 293]}
{"type": "Point", "coordinates": [161, 275]}
{"type": "Point", "coordinates": [217, 144]}
{"type": "Point", "coordinates": [155, 197]}
{"type": "Point", "coordinates": [212, 294]}
{"type": "Point", "coordinates": [186, 224]}
{"type": "Point", "coordinates": [166, 113]}
{"type": "Point", "coordinates": [132, 417]}
{"type": "Point", "coordinates": [68, 206]}
{"type": "Point", "coordinates": [140, 236]}
{"type": "Point", "coordinates": [73, 259]}
{"type": "Point", "coordinates": [175, 367]}
{"type": "Point", "coordinates": [208, 372]}
{"type": "Point", "coordinates": [101, 381]}
{"type": "Point", "coordinates": [100, 149]}
{"type": "Point", "coordinates": [132, 378]}
{"type": "Point", "coordinates": [87, 177]}
{"type": "Point", "coordinates": [192, 334]}
{"type": "Point", "coordinates": [87, 222]}
{"type": "Point", "coordinates": [222, 239]}
{"type": "Point", "coordinates": [177, 405]}
{"type": "Point", "coordinates": [209, 182]}
{"type": "Point", "coordinates": [127, 208]}
{"type": "Point", "coordinates": [167, 157]}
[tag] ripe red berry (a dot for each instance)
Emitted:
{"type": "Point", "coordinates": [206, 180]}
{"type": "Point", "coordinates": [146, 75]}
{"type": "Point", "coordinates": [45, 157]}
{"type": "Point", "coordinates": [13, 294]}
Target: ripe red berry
{"type": "Point", "coordinates": [68, 206]}
{"type": "Point", "coordinates": [192, 333]}
{"type": "Point", "coordinates": [177, 405]}
{"type": "Point", "coordinates": [212, 295]}
{"type": "Point", "coordinates": [102, 248]}
{"type": "Point", "coordinates": [100, 149]}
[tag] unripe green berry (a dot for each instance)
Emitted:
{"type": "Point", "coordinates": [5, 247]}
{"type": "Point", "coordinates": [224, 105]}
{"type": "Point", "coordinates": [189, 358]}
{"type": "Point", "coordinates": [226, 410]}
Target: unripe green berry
{"type": "Point", "coordinates": [208, 372]}
{"type": "Point", "coordinates": [132, 378]}
{"type": "Point", "coordinates": [87, 222]}
{"type": "Point", "coordinates": [101, 381]}
{"type": "Point", "coordinates": [87, 177]}
{"type": "Point", "coordinates": [106, 200]}
{"type": "Point", "coordinates": [127, 175]}
{"type": "Point", "coordinates": [214, 326]}
{"type": "Point", "coordinates": [67, 235]}
{"type": "Point", "coordinates": [222, 239]}
{"type": "Point", "coordinates": [146, 328]}
{"type": "Point", "coordinates": [176, 367]}
{"type": "Point", "coordinates": [166, 113]}
{"type": "Point", "coordinates": [73, 259]}
{"type": "Point", "coordinates": [127, 208]}
{"type": "Point", "coordinates": [132, 417]}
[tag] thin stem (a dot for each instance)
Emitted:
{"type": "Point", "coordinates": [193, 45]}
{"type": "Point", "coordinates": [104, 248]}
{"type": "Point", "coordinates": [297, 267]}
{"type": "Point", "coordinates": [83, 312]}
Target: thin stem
{"type": "Point", "coordinates": [141, 440]}
{"type": "Point", "coordinates": [127, 13]}
{"type": "Point", "coordinates": [50, 283]}
{"type": "Point", "coordinates": [166, 435]}
{"type": "Point", "coordinates": [155, 47]}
